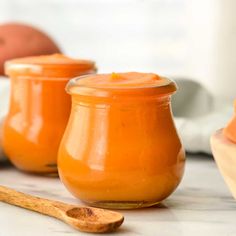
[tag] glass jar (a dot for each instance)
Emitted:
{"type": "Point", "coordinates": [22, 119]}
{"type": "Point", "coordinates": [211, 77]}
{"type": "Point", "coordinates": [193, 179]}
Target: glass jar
{"type": "Point", "coordinates": [39, 109]}
{"type": "Point", "coordinates": [121, 148]}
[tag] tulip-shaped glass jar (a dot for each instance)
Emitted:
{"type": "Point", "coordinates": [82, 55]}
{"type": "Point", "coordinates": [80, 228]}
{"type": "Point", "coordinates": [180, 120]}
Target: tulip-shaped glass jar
{"type": "Point", "coordinates": [121, 148]}
{"type": "Point", "coordinates": [39, 109]}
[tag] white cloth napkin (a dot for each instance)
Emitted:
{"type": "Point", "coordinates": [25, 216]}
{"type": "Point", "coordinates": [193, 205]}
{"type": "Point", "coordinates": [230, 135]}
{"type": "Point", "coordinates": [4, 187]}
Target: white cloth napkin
{"type": "Point", "coordinates": [197, 113]}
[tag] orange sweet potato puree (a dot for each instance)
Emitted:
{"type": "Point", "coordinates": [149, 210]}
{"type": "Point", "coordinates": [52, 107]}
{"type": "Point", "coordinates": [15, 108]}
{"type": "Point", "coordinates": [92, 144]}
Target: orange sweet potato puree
{"type": "Point", "coordinates": [39, 109]}
{"type": "Point", "coordinates": [116, 80]}
{"type": "Point", "coordinates": [121, 148]}
{"type": "Point", "coordinates": [230, 130]}
{"type": "Point", "coordinates": [55, 65]}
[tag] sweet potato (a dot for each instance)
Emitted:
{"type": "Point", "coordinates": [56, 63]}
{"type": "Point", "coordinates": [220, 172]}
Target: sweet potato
{"type": "Point", "coordinates": [20, 40]}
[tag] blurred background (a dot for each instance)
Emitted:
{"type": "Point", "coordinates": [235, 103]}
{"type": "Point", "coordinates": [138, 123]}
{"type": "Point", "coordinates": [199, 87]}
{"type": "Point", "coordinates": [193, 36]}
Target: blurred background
{"type": "Point", "coordinates": [188, 40]}
{"type": "Point", "coordinates": [185, 38]}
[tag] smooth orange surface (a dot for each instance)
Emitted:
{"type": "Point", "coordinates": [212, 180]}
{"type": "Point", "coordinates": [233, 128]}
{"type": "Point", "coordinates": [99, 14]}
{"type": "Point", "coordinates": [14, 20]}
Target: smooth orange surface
{"type": "Point", "coordinates": [121, 144]}
{"type": "Point", "coordinates": [39, 111]}
{"type": "Point", "coordinates": [116, 80]}
{"type": "Point", "coordinates": [230, 130]}
{"type": "Point", "coordinates": [55, 65]}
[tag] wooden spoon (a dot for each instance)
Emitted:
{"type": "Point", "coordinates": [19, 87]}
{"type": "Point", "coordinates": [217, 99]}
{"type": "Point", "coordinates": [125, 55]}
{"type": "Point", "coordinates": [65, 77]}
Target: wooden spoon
{"type": "Point", "coordinates": [87, 219]}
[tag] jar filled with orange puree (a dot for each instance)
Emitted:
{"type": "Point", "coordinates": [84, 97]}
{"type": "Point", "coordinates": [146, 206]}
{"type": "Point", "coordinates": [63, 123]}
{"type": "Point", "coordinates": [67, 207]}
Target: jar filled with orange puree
{"type": "Point", "coordinates": [121, 148]}
{"type": "Point", "coordinates": [39, 109]}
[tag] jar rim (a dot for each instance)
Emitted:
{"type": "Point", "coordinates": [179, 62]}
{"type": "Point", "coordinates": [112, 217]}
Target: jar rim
{"type": "Point", "coordinates": [73, 88]}
{"type": "Point", "coordinates": [54, 65]}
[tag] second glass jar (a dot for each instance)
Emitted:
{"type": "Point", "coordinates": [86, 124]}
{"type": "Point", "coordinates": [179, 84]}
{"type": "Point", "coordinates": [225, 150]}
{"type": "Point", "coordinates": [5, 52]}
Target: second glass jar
{"type": "Point", "coordinates": [39, 109]}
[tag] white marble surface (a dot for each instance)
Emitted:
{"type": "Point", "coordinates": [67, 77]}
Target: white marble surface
{"type": "Point", "coordinates": [202, 205]}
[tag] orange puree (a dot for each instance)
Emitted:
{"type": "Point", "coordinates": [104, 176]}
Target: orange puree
{"type": "Point", "coordinates": [120, 148]}
{"type": "Point", "coordinates": [230, 130]}
{"type": "Point", "coordinates": [116, 80]}
{"type": "Point", "coordinates": [39, 109]}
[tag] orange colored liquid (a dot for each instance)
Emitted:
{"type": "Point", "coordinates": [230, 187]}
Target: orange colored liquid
{"type": "Point", "coordinates": [122, 150]}
{"type": "Point", "coordinates": [230, 130]}
{"type": "Point", "coordinates": [39, 111]}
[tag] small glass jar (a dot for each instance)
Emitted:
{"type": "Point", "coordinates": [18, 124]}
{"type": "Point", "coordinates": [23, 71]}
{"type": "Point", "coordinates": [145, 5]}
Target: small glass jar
{"type": "Point", "coordinates": [39, 109]}
{"type": "Point", "coordinates": [121, 148]}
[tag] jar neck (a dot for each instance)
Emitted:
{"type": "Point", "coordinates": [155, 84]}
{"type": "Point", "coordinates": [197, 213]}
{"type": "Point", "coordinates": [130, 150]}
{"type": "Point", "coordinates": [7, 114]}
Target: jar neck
{"type": "Point", "coordinates": [39, 97]}
{"type": "Point", "coordinates": [126, 100]}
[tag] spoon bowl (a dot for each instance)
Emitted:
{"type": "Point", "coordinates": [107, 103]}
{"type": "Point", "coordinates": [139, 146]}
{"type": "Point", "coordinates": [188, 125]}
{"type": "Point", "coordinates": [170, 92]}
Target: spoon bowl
{"type": "Point", "coordinates": [94, 219]}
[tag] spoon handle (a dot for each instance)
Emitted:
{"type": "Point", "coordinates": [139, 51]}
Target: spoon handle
{"type": "Point", "coordinates": [41, 205]}
{"type": "Point", "coordinates": [87, 219]}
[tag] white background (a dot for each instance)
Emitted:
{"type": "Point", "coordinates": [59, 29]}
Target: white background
{"type": "Point", "coordinates": [185, 38]}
